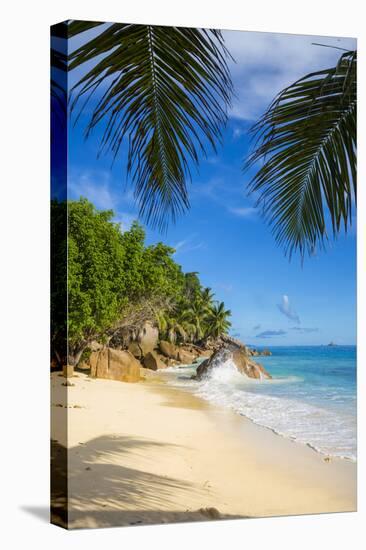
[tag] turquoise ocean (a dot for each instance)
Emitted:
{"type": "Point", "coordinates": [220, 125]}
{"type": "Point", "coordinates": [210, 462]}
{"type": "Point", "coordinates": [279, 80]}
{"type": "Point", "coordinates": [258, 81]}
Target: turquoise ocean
{"type": "Point", "coordinates": [311, 397]}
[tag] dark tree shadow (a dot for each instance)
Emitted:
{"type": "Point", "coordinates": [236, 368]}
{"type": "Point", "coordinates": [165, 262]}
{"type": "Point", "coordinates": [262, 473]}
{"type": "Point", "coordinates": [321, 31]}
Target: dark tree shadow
{"type": "Point", "coordinates": [95, 492]}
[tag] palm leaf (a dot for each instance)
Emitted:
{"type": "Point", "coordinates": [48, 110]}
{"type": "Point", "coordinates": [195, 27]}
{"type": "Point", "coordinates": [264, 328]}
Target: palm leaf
{"type": "Point", "coordinates": [76, 27]}
{"type": "Point", "coordinates": [307, 143]}
{"type": "Point", "coordinates": [165, 91]}
{"type": "Point", "coordinates": [58, 65]}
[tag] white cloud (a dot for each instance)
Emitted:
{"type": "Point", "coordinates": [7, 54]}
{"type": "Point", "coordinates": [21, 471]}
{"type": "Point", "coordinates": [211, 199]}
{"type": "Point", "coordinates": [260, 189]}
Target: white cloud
{"type": "Point", "coordinates": [238, 132]}
{"type": "Point", "coordinates": [245, 212]}
{"type": "Point", "coordinates": [95, 186]}
{"type": "Point", "coordinates": [180, 244]}
{"type": "Point", "coordinates": [267, 62]}
{"type": "Point", "coordinates": [271, 333]}
{"type": "Point", "coordinates": [188, 245]}
{"type": "Point", "coordinates": [286, 309]}
{"type": "Point", "coordinates": [125, 219]}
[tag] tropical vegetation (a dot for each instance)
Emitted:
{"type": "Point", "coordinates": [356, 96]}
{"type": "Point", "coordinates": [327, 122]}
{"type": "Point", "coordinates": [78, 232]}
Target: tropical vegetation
{"type": "Point", "coordinates": [115, 282]}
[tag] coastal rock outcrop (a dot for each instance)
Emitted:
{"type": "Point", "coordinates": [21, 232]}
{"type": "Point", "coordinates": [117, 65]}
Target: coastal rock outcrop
{"type": "Point", "coordinates": [247, 366]}
{"type": "Point", "coordinates": [185, 354]}
{"type": "Point", "coordinates": [169, 350]}
{"type": "Point", "coordinates": [114, 364]}
{"type": "Point", "coordinates": [256, 353]}
{"type": "Point", "coordinates": [186, 357]}
{"type": "Point", "coordinates": [206, 352]}
{"type": "Point", "coordinates": [152, 361]}
{"type": "Point", "coordinates": [95, 346]}
{"type": "Point", "coordinates": [148, 338]}
{"type": "Point", "coordinates": [238, 354]}
{"type": "Point", "coordinates": [135, 349]}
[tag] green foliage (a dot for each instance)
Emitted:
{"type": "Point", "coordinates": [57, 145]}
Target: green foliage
{"type": "Point", "coordinates": [59, 278]}
{"type": "Point", "coordinates": [96, 278]}
{"type": "Point", "coordinates": [196, 315]}
{"type": "Point", "coordinates": [218, 320]}
{"type": "Point", "coordinates": [166, 94]}
{"type": "Point", "coordinates": [111, 275]}
{"type": "Point", "coordinates": [306, 142]}
{"type": "Point", "coordinates": [161, 273]}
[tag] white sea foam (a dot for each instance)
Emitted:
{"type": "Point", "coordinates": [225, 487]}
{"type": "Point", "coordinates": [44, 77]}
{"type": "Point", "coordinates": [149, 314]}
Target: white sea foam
{"type": "Point", "coordinates": [322, 429]}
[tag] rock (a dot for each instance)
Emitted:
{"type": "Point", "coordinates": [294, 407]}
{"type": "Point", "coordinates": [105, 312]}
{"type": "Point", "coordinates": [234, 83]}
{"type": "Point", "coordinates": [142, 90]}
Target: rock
{"type": "Point", "coordinates": [180, 354]}
{"type": "Point", "coordinates": [202, 370]}
{"type": "Point", "coordinates": [152, 361]}
{"type": "Point", "coordinates": [114, 364]}
{"type": "Point", "coordinates": [136, 350]}
{"type": "Point", "coordinates": [169, 350]}
{"type": "Point", "coordinates": [95, 346]}
{"type": "Point", "coordinates": [240, 358]}
{"type": "Point", "coordinates": [148, 338]}
{"type": "Point", "coordinates": [186, 357]}
{"type": "Point", "coordinates": [206, 352]}
{"type": "Point", "coordinates": [93, 359]}
{"type": "Point", "coordinates": [255, 353]}
{"type": "Point", "coordinates": [148, 374]}
{"type": "Point", "coordinates": [248, 367]}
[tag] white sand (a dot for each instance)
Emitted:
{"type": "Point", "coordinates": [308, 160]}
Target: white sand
{"type": "Point", "coordinates": [146, 453]}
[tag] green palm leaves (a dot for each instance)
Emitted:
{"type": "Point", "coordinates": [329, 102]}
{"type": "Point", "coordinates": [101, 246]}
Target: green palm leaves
{"type": "Point", "coordinates": [218, 320]}
{"type": "Point", "coordinates": [58, 59]}
{"type": "Point", "coordinates": [307, 143]}
{"type": "Point", "coordinates": [194, 318]}
{"type": "Point", "coordinates": [164, 91]}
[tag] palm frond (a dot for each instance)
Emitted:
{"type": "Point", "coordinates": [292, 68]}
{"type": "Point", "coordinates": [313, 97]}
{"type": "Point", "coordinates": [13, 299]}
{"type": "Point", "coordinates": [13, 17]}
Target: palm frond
{"type": "Point", "coordinates": [76, 27]}
{"type": "Point", "coordinates": [307, 143]}
{"type": "Point", "coordinates": [58, 66]}
{"type": "Point", "coordinates": [165, 91]}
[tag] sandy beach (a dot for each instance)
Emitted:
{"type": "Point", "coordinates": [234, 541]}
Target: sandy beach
{"type": "Point", "coordinates": [147, 453]}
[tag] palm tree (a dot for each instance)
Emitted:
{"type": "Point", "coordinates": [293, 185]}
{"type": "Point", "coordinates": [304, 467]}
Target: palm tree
{"type": "Point", "coordinates": [217, 320]}
{"type": "Point", "coordinates": [164, 91]}
{"type": "Point", "coordinates": [207, 296]}
{"type": "Point", "coordinates": [306, 141]}
{"type": "Point", "coordinates": [194, 318]}
{"type": "Point", "coordinates": [170, 327]}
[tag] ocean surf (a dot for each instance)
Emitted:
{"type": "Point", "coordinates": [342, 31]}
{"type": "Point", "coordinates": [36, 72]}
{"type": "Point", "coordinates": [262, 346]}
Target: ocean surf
{"type": "Point", "coordinates": [310, 399]}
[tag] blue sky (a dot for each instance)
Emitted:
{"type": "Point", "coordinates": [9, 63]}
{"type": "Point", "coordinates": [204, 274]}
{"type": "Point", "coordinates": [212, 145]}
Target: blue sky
{"type": "Point", "coordinates": [273, 301]}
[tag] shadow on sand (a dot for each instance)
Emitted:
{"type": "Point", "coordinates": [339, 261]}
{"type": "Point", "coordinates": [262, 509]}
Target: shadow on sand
{"type": "Point", "coordinates": [89, 490]}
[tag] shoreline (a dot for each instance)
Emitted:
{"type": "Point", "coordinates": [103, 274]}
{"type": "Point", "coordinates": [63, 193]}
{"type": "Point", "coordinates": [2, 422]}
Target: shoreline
{"type": "Point", "coordinates": [150, 453]}
{"type": "Point", "coordinates": [291, 439]}
{"type": "Point", "coordinates": [325, 455]}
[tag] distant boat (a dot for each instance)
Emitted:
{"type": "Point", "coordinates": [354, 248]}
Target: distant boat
{"type": "Point", "coordinates": [331, 344]}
